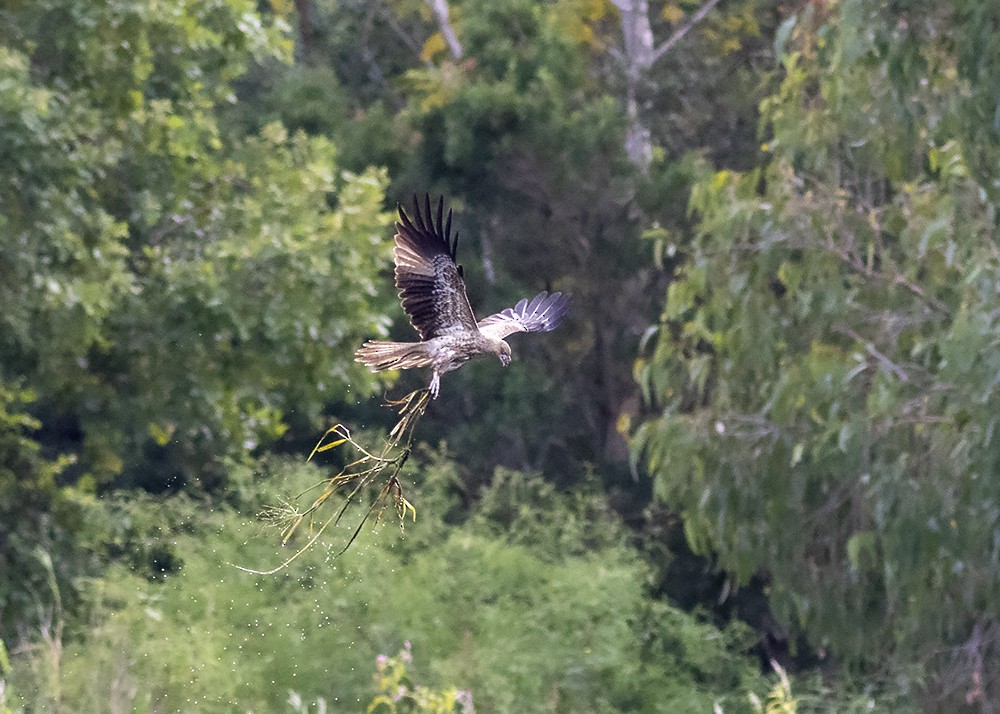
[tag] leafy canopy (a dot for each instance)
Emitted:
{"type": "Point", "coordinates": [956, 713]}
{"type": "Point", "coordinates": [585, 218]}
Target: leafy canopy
{"type": "Point", "coordinates": [825, 368]}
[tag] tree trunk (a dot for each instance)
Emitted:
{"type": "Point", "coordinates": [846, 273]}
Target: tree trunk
{"type": "Point", "coordinates": [639, 57]}
{"type": "Point", "coordinates": [440, 10]}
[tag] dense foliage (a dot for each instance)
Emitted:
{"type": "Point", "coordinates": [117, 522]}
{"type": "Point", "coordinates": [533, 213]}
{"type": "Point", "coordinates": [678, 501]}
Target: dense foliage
{"type": "Point", "coordinates": [826, 361]}
{"type": "Point", "coordinates": [546, 608]}
{"type": "Point", "coordinates": [172, 291]}
{"type": "Point", "coordinates": [777, 221]}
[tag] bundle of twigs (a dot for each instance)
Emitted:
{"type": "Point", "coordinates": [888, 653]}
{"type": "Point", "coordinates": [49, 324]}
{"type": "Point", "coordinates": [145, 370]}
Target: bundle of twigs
{"type": "Point", "coordinates": [354, 480]}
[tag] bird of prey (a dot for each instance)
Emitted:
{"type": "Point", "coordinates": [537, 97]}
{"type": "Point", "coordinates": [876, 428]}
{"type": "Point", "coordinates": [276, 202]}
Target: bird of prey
{"type": "Point", "coordinates": [432, 292]}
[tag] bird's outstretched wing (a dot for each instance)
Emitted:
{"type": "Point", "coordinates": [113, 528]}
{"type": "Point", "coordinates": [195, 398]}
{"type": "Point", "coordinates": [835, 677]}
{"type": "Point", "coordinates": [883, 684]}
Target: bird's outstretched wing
{"type": "Point", "coordinates": [542, 313]}
{"type": "Point", "coordinates": [430, 283]}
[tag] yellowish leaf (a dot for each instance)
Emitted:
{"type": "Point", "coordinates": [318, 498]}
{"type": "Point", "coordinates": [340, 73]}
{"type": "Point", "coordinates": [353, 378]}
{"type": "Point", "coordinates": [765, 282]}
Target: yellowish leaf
{"type": "Point", "coordinates": [434, 46]}
{"type": "Point", "coordinates": [331, 445]}
{"type": "Point", "coordinates": [161, 434]}
{"type": "Point", "coordinates": [282, 8]}
{"type": "Point", "coordinates": [672, 12]}
{"type": "Point", "coordinates": [624, 423]}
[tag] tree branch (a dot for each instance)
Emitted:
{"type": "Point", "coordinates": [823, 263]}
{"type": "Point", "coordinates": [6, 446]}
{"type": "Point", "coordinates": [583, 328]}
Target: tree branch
{"type": "Point", "coordinates": [874, 352]}
{"type": "Point", "coordinates": [669, 43]}
{"type": "Point", "coordinates": [390, 18]}
{"type": "Point", "coordinates": [440, 10]}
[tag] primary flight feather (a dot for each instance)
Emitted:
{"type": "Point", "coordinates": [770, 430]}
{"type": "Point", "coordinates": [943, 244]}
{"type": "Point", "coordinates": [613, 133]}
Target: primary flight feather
{"type": "Point", "coordinates": [432, 293]}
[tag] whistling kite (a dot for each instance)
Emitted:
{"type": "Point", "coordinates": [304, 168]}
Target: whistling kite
{"type": "Point", "coordinates": [432, 293]}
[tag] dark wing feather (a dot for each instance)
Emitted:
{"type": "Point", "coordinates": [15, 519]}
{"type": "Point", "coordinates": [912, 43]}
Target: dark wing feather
{"type": "Point", "coordinates": [542, 313]}
{"type": "Point", "coordinates": [430, 284]}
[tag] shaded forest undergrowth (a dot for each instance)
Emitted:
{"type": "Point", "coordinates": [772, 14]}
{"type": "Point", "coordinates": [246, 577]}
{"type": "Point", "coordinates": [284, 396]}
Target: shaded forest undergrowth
{"type": "Point", "coordinates": [170, 631]}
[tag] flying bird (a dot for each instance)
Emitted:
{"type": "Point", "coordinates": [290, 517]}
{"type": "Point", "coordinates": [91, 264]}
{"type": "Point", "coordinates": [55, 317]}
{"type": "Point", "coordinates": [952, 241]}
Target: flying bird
{"type": "Point", "coordinates": [432, 293]}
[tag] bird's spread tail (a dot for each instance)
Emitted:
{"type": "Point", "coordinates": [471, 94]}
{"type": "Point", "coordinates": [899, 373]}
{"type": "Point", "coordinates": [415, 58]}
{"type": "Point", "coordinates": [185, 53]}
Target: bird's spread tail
{"type": "Point", "coordinates": [392, 355]}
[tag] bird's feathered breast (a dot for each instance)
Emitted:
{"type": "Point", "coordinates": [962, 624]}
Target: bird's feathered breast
{"type": "Point", "coordinates": [431, 288]}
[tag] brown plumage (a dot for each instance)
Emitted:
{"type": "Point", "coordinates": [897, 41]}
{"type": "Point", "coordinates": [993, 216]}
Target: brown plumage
{"type": "Point", "coordinates": [432, 293]}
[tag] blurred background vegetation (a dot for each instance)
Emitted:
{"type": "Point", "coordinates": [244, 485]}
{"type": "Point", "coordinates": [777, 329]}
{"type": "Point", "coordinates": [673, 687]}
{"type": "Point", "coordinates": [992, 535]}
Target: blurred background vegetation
{"type": "Point", "coordinates": [754, 472]}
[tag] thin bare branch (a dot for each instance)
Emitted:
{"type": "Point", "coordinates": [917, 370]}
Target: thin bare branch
{"type": "Point", "coordinates": [873, 351]}
{"type": "Point", "coordinates": [669, 43]}
{"type": "Point", "coordinates": [353, 480]}
{"type": "Point", "coordinates": [390, 17]}
{"type": "Point", "coordinates": [440, 10]}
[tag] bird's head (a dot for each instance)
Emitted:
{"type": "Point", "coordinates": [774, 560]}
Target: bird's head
{"type": "Point", "coordinates": [503, 352]}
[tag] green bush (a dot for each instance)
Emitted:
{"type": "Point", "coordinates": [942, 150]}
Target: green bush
{"type": "Point", "coordinates": [542, 610]}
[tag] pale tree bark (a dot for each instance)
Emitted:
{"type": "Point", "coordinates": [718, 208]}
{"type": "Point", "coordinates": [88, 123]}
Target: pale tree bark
{"type": "Point", "coordinates": [637, 34]}
{"type": "Point", "coordinates": [641, 53]}
{"type": "Point", "coordinates": [440, 10]}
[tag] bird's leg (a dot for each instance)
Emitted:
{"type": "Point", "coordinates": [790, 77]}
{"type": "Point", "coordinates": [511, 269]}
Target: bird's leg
{"type": "Point", "coordinates": [435, 385]}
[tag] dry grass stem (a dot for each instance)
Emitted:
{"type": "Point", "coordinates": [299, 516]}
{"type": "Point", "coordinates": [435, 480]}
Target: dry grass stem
{"type": "Point", "coordinates": [369, 470]}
